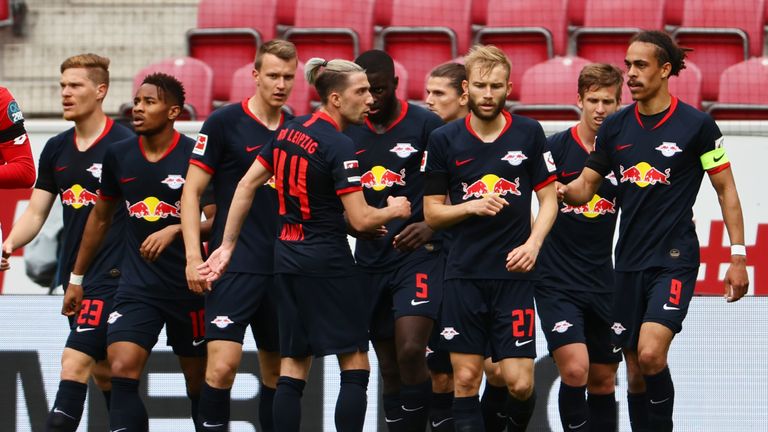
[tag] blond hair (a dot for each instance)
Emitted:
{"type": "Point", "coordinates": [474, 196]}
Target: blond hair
{"type": "Point", "coordinates": [279, 48]}
{"type": "Point", "coordinates": [487, 57]}
{"type": "Point", "coordinates": [333, 77]}
{"type": "Point", "coordinates": [96, 66]}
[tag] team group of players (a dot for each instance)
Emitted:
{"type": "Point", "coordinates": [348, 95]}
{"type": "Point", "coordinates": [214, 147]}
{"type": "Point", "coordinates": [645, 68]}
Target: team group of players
{"type": "Point", "coordinates": [448, 259]}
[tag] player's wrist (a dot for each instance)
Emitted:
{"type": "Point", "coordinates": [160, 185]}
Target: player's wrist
{"type": "Point", "coordinates": [738, 250]}
{"type": "Point", "coordinates": [75, 279]}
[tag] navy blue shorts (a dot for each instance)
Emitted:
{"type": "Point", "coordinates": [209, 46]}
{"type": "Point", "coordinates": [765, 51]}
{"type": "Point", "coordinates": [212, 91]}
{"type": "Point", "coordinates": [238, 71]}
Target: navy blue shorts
{"type": "Point", "coordinates": [88, 330]}
{"type": "Point", "coordinates": [659, 295]}
{"type": "Point", "coordinates": [415, 288]}
{"type": "Point", "coordinates": [483, 312]}
{"type": "Point", "coordinates": [321, 316]}
{"type": "Point", "coordinates": [569, 316]}
{"type": "Point", "coordinates": [237, 301]}
{"type": "Point", "coordinates": [140, 320]}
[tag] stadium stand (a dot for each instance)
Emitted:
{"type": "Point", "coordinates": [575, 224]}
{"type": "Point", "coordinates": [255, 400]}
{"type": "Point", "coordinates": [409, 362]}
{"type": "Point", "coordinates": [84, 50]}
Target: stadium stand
{"type": "Point", "coordinates": [320, 31]}
{"type": "Point", "coordinates": [528, 32]}
{"type": "Point", "coordinates": [608, 26]}
{"type": "Point", "coordinates": [197, 78]}
{"type": "Point", "coordinates": [243, 87]}
{"type": "Point", "coordinates": [721, 33]}
{"type": "Point", "coordinates": [227, 35]}
{"type": "Point", "coordinates": [743, 91]}
{"type": "Point", "coordinates": [420, 39]}
{"type": "Point", "coordinates": [548, 90]}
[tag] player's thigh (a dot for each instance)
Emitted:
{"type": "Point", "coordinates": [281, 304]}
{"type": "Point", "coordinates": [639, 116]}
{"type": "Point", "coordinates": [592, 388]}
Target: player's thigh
{"type": "Point", "coordinates": [561, 315]}
{"type": "Point", "coordinates": [669, 295]}
{"type": "Point", "coordinates": [514, 320]}
{"type": "Point", "coordinates": [464, 317]}
{"type": "Point", "coordinates": [232, 305]}
{"type": "Point", "coordinates": [88, 330]}
{"type": "Point", "coordinates": [135, 320]}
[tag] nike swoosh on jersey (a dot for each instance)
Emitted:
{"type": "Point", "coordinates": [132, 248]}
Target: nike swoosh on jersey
{"type": "Point", "coordinates": [360, 151]}
{"type": "Point", "coordinates": [61, 168]}
{"type": "Point", "coordinates": [127, 179]}
{"type": "Point", "coordinates": [463, 162]}
{"type": "Point", "coordinates": [623, 146]}
{"type": "Point", "coordinates": [569, 174]}
{"type": "Point", "coordinates": [251, 149]}
{"type": "Point", "coordinates": [717, 159]}
{"type": "Point", "coordinates": [80, 330]}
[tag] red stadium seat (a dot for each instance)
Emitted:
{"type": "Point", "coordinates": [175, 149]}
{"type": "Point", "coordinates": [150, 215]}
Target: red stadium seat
{"type": "Point", "coordinates": [332, 29]}
{"type": "Point", "coordinates": [673, 12]}
{"type": "Point", "coordinates": [382, 13]}
{"type": "Point", "coordinates": [421, 39]}
{"type": "Point", "coordinates": [286, 13]}
{"type": "Point", "coordinates": [743, 91]}
{"type": "Point", "coordinates": [686, 86]}
{"type": "Point", "coordinates": [479, 12]}
{"type": "Point", "coordinates": [529, 32]}
{"type": "Point", "coordinates": [197, 78]}
{"type": "Point", "coordinates": [549, 90]}
{"type": "Point", "coordinates": [721, 33]}
{"type": "Point", "coordinates": [243, 87]}
{"type": "Point", "coordinates": [608, 26]}
{"type": "Point", "coordinates": [227, 35]}
{"type": "Point", "coordinates": [576, 12]}
{"type": "Point", "coordinates": [6, 18]}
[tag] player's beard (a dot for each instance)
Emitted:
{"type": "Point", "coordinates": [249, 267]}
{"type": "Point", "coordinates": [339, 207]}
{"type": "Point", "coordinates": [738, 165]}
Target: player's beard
{"type": "Point", "coordinates": [482, 116]}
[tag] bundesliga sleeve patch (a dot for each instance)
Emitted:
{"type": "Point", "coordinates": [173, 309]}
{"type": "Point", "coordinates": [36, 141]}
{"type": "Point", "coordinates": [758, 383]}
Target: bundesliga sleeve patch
{"type": "Point", "coordinates": [423, 165]}
{"type": "Point", "coordinates": [550, 162]}
{"type": "Point", "coordinates": [200, 144]}
{"type": "Point", "coordinates": [714, 159]}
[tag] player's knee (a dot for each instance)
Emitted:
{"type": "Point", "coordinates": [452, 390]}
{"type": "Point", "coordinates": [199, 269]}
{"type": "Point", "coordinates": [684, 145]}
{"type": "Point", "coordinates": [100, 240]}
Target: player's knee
{"type": "Point", "coordinates": [521, 388]}
{"type": "Point", "coordinates": [74, 369]}
{"type": "Point", "coordinates": [442, 382]}
{"type": "Point", "coordinates": [574, 374]}
{"type": "Point", "coordinates": [466, 380]}
{"type": "Point", "coordinates": [221, 374]}
{"type": "Point", "coordinates": [493, 375]}
{"type": "Point", "coordinates": [651, 362]}
{"type": "Point", "coordinates": [411, 355]}
{"type": "Point", "coordinates": [124, 368]}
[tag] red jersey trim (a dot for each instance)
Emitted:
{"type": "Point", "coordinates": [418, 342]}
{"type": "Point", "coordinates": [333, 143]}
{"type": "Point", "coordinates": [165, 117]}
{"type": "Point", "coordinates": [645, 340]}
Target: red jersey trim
{"type": "Point", "coordinates": [347, 190]}
{"type": "Point", "coordinates": [400, 117]}
{"type": "Point", "coordinates": [672, 108]}
{"type": "Point", "coordinates": [106, 197]}
{"type": "Point", "coordinates": [266, 164]}
{"type": "Point", "coordinates": [174, 141]}
{"type": "Point", "coordinates": [244, 105]}
{"type": "Point", "coordinates": [506, 115]}
{"type": "Point", "coordinates": [321, 115]}
{"type": "Point", "coordinates": [719, 168]}
{"type": "Point", "coordinates": [549, 180]}
{"type": "Point", "coordinates": [202, 166]}
{"type": "Point", "coordinates": [575, 135]}
{"type": "Point", "coordinates": [104, 132]}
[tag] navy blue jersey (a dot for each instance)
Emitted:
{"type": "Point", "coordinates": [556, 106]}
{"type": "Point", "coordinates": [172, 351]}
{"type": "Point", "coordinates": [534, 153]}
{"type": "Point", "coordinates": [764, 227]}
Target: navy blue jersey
{"type": "Point", "coordinates": [659, 169]}
{"type": "Point", "coordinates": [390, 166]}
{"type": "Point", "coordinates": [578, 252]}
{"type": "Point", "coordinates": [151, 192]}
{"type": "Point", "coordinates": [314, 164]}
{"type": "Point", "coordinates": [227, 145]}
{"type": "Point", "coordinates": [74, 176]}
{"type": "Point", "coordinates": [513, 166]}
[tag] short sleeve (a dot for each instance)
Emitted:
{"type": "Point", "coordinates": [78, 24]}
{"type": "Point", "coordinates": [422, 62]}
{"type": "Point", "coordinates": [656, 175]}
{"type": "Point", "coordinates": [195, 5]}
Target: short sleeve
{"type": "Point", "coordinates": [344, 166]}
{"type": "Point", "coordinates": [434, 161]}
{"type": "Point", "coordinates": [45, 170]}
{"type": "Point", "coordinates": [542, 167]}
{"type": "Point", "coordinates": [266, 154]}
{"type": "Point", "coordinates": [209, 146]}
{"type": "Point", "coordinates": [110, 185]}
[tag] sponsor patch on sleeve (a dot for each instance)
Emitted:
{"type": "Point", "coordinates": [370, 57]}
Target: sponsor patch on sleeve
{"type": "Point", "coordinates": [423, 166]}
{"type": "Point", "coordinates": [14, 112]}
{"type": "Point", "coordinates": [551, 167]}
{"type": "Point", "coordinates": [350, 164]}
{"type": "Point", "coordinates": [200, 144]}
{"type": "Point", "coordinates": [714, 158]}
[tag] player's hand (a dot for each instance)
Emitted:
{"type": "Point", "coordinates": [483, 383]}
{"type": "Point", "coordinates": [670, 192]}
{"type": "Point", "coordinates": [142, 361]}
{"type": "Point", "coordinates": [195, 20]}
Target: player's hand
{"type": "Point", "coordinates": [5, 263]}
{"type": "Point", "coordinates": [73, 299]}
{"type": "Point", "coordinates": [489, 205]}
{"type": "Point", "coordinates": [736, 279]}
{"type": "Point", "coordinates": [196, 282]}
{"type": "Point", "coordinates": [561, 190]}
{"type": "Point", "coordinates": [215, 265]}
{"type": "Point", "coordinates": [400, 205]}
{"type": "Point", "coordinates": [155, 243]}
{"type": "Point", "coordinates": [367, 235]}
{"type": "Point", "coordinates": [522, 259]}
{"type": "Point", "coordinates": [412, 237]}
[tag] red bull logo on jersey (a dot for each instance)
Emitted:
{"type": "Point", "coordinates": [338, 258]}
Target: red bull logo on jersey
{"type": "Point", "coordinates": [491, 183]}
{"type": "Point", "coordinates": [403, 150]}
{"type": "Point", "coordinates": [380, 178]}
{"type": "Point", "coordinates": [514, 158]}
{"type": "Point", "coordinates": [174, 181]}
{"type": "Point", "coordinates": [562, 326]}
{"type": "Point", "coordinates": [597, 206]}
{"type": "Point", "coordinates": [271, 182]}
{"type": "Point", "coordinates": [612, 178]}
{"type": "Point", "coordinates": [618, 328]}
{"type": "Point", "coordinates": [77, 196]}
{"type": "Point", "coordinates": [669, 149]}
{"type": "Point", "coordinates": [152, 209]}
{"type": "Point", "coordinates": [643, 174]}
{"type": "Point", "coordinates": [95, 170]}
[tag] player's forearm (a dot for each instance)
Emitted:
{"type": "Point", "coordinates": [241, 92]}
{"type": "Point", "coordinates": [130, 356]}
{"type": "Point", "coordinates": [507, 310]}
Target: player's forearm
{"type": "Point", "coordinates": [93, 236]}
{"type": "Point", "coordinates": [17, 174]}
{"type": "Point", "coordinates": [546, 216]}
{"type": "Point", "coordinates": [190, 224]}
{"type": "Point", "coordinates": [730, 206]}
{"type": "Point", "coordinates": [578, 192]}
{"type": "Point", "coordinates": [32, 220]}
{"type": "Point", "coordinates": [439, 215]}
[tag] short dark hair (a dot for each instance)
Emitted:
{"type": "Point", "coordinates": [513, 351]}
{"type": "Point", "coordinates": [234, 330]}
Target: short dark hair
{"type": "Point", "coordinates": [454, 72]}
{"type": "Point", "coordinates": [667, 50]}
{"type": "Point", "coordinates": [171, 88]}
{"type": "Point", "coordinates": [376, 61]}
{"type": "Point", "coordinates": [600, 75]}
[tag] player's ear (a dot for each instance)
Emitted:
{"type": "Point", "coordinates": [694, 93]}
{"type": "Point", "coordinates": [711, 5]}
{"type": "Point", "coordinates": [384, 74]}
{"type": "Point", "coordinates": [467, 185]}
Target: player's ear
{"type": "Point", "coordinates": [580, 102]}
{"type": "Point", "coordinates": [173, 112]}
{"type": "Point", "coordinates": [255, 75]}
{"type": "Point", "coordinates": [509, 89]}
{"type": "Point", "coordinates": [335, 99]}
{"type": "Point", "coordinates": [464, 99]}
{"type": "Point", "coordinates": [101, 91]}
{"type": "Point", "coordinates": [465, 86]}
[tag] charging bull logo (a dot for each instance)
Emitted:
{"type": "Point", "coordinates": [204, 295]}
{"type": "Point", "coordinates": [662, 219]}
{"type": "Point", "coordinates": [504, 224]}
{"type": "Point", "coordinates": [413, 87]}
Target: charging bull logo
{"type": "Point", "coordinates": [380, 178]}
{"type": "Point", "coordinates": [643, 174]}
{"type": "Point", "coordinates": [152, 209]}
{"type": "Point", "coordinates": [597, 206]}
{"type": "Point", "coordinates": [490, 183]}
{"type": "Point", "coordinates": [174, 181]}
{"type": "Point", "coordinates": [95, 170]}
{"type": "Point", "coordinates": [76, 196]}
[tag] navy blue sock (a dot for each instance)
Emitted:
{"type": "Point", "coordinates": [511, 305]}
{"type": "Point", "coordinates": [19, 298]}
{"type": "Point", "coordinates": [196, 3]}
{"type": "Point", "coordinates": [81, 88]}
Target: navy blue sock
{"type": "Point", "coordinates": [467, 416]}
{"type": "Point", "coordinates": [213, 410]}
{"type": "Point", "coordinates": [440, 415]}
{"type": "Point", "coordinates": [107, 397]}
{"type": "Point", "coordinates": [68, 407]}
{"type": "Point", "coordinates": [352, 401]}
{"type": "Point", "coordinates": [603, 416]}
{"type": "Point", "coordinates": [493, 405]}
{"type": "Point", "coordinates": [393, 412]}
{"type": "Point", "coordinates": [637, 404]}
{"type": "Point", "coordinates": [574, 414]}
{"type": "Point", "coordinates": [519, 413]}
{"type": "Point", "coordinates": [194, 405]}
{"type": "Point", "coordinates": [661, 400]}
{"type": "Point", "coordinates": [416, 401]}
{"type": "Point", "coordinates": [286, 408]}
{"type": "Point", "coordinates": [127, 410]}
{"type": "Point", "coordinates": [266, 401]}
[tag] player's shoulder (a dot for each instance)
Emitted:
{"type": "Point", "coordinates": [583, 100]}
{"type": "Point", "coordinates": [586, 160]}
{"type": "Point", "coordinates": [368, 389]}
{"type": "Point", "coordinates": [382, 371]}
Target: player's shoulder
{"type": "Point", "coordinates": [225, 114]}
{"type": "Point", "coordinates": [451, 129]}
{"type": "Point", "coordinates": [559, 140]}
{"type": "Point", "coordinates": [5, 96]}
{"type": "Point", "coordinates": [119, 132]}
{"type": "Point", "coordinates": [525, 123]}
{"type": "Point", "coordinates": [690, 113]}
{"type": "Point", "coordinates": [421, 113]}
{"type": "Point", "coordinates": [186, 142]}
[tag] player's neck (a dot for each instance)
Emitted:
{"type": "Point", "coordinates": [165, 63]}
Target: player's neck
{"type": "Point", "coordinates": [586, 135]}
{"type": "Point", "coordinates": [267, 114]}
{"type": "Point", "coordinates": [89, 128]}
{"type": "Point", "coordinates": [156, 145]}
{"type": "Point", "coordinates": [656, 104]}
{"type": "Point", "coordinates": [393, 115]}
{"type": "Point", "coordinates": [336, 116]}
{"type": "Point", "coordinates": [488, 130]}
